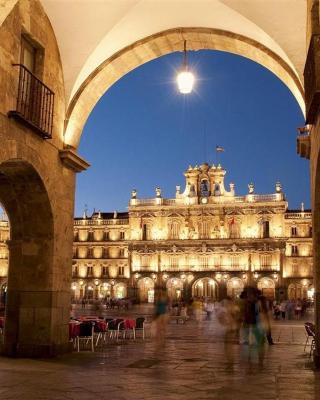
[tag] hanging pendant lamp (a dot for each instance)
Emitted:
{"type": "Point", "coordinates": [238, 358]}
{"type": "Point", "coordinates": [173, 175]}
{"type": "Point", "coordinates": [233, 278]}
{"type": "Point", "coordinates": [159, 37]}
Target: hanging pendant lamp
{"type": "Point", "coordinates": [185, 78]}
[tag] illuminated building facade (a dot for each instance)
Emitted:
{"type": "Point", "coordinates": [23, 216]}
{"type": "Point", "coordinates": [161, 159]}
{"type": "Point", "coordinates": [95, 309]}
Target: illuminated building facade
{"type": "Point", "coordinates": [204, 242]}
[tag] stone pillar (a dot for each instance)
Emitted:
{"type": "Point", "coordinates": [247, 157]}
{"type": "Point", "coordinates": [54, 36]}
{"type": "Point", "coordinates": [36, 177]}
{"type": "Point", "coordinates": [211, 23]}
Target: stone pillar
{"type": "Point", "coordinates": [312, 99]}
{"type": "Point", "coordinates": [40, 262]}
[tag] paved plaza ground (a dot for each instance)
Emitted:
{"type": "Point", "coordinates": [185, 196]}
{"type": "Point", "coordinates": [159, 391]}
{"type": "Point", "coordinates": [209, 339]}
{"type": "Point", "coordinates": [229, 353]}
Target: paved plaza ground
{"type": "Point", "coordinates": [191, 365]}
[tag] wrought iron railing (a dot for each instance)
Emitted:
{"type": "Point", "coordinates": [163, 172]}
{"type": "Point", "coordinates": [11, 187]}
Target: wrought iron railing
{"type": "Point", "coordinates": [35, 103]}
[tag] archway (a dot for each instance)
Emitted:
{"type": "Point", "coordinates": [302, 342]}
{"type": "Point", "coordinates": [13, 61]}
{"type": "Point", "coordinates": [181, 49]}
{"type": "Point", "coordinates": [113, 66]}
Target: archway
{"type": "Point", "coordinates": [116, 66]}
{"type": "Point", "coordinates": [234, 287]}
{"type": "Point", "coordinates": [267, 287]}
{"type": "Point", "coordinates": [146, 290]}
{"type": "Point", "coordinates": [175, 288]}
{"type": "Point", "coordinates": [295, 291]}
{"type": "Point", "coordinates": [120, 290]}
{"type": "Point", "coordinates": [205, 287]}
{"type": "Point", "coordinates": [25, 199]}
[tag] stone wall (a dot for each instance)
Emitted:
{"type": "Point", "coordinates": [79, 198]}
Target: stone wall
{"type": "Point", "coordinates": [37, 191]}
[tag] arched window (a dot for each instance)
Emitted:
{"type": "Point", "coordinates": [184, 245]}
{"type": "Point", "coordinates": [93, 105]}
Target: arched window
{"type": "Point", "coordinates": [204, 188]}
{"type": "Point", "coordinates": [217, 191]}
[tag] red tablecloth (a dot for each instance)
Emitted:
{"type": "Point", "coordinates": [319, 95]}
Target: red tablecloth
{"type": "Point", "coordinates": [74, 329]}
{"type": "Point", "coordinates": [102, 325]}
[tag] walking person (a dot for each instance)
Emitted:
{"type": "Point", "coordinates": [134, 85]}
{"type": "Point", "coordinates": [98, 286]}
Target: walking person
{"type": "Point", "coordinates": [283, 309]}
{"type": "Point", "coordinates": [160, 320]}
{"type": "Point", "coordinates": [265, 318]}
{"type": "Point", "coordinates": [209, 308]}
{"type": "Point", "coordinates": [254, 324]}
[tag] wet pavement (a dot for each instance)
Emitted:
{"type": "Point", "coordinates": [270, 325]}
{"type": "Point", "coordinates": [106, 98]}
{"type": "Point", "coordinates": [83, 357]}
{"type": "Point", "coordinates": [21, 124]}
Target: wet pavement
{"type": "Point", "coordinates": [191, 365]}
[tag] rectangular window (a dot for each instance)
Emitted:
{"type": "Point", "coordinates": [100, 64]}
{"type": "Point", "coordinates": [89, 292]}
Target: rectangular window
{"type": "Point", "coordinates": [106, 235]}
{"type": "Point", "coordinates": [234, 262]}
{"type": "Point", "coordinates": [122, 236]}
{"type": "Point", "coordinates": [173, 262]}
{"type": "Point", "coordinates": [121, 253]}
{"type": "Point", "coordinates": [205, 228]}
{"type": "Point", "coordinates": [75, 271]}
{"type": "Point", "coordinates": [121, 271]}
{"type": "Point", "coordinates": [294, 250]}
{"type": "Point", "coordinates": [28, 54]}
{"type": "Point", "coordinates": [265, 261]}
{"type": "Point", "coordinates": [293, 231]}
{"type": "Point", "coordinates": [266, 229]}
{"type": "Point", "coordinates": [174, 230]}
{"type": "Point", "coordinates": [145, 261]}
{"type": "Point", "coordinates": [104, 271]}
{"type": "Point", "coordinates": [217, 261]}
{"type": "Point", "coordinates": [145, 232]}
{"type": "Point", "coordinates": [89, 271]}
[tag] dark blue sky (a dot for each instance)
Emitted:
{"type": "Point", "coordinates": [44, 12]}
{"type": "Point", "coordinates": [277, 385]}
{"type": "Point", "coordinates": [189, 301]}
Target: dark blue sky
{"type": "Point", "coordinates": [143, 133]}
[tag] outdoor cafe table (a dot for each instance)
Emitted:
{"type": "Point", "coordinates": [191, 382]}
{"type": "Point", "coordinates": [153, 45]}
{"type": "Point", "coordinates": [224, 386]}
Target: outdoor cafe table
{"type": "Point", "coordinates": [74, 329]}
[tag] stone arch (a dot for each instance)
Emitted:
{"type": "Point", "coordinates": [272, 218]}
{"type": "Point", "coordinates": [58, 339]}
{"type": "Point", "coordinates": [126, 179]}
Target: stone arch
{"type": "Point", "coordinates": [267, 287]}
{"type": "Point", "coordinates": [146, 290]}
{"type": "Point", "coordinates": [205, 287]}
{"type": "Point", "coordinates": [295, 291]}
{"type": "Point", "coordinates": [120, 290]}
{"type": "Point", "coordinates": [162, 43]}
{"type": "Point", "coordinates": [235, 286]}
{"type": "Point", "coordinates": [25, 199]}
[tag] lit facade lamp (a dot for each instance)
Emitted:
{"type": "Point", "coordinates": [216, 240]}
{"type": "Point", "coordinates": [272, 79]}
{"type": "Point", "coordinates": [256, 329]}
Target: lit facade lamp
{"type": "Point", "coordinates": [185, 78]}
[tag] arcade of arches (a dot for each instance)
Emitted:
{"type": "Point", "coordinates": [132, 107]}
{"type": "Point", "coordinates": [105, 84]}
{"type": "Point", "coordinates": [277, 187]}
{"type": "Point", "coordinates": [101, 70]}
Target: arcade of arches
{"type": "Point", "coordinates": [38, 157]}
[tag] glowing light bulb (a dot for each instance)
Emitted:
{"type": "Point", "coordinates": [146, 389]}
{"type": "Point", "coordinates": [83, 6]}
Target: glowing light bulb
{"type": "Point", "coordinates": [185, 81]}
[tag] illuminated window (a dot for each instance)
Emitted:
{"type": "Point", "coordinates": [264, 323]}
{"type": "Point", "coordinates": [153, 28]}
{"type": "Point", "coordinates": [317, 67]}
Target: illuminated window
{"type": "Point", "coordinates": [234, 261]}
{"type": "Point", "coordinates": [265, 261]}
{"type": "Point", "coordinates": [174, 230]}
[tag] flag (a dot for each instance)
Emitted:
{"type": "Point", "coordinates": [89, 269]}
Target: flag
{"type": "Point", "coordinates": [219, 149]}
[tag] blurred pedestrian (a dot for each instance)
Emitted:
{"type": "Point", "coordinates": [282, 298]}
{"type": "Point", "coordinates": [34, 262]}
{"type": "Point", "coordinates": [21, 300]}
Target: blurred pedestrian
{"type": "Point", "coordinates": [197, 309]}
{"type": "Point", "coordinates": [209, 308]}
{"type": "Point", "coordinates": [264, 318]}
{"type": "Point", "coordinates": [254, 324]}
{"type": "Point", "coordinates": [160, 319]}
{"type": "Point", "coordinates": [227, 316]}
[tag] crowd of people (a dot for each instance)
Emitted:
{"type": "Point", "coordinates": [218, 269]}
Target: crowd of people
{"type": "Point", "coordinates": [246, 320]}
{"type": "Point", "coordinates": [290, 309]}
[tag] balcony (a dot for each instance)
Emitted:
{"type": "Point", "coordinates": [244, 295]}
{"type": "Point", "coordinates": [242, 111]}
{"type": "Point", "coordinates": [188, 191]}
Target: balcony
{"type": "Point", "coordinates": [303, 142]}
{"type": "Point", "coordinates": [35, 102]}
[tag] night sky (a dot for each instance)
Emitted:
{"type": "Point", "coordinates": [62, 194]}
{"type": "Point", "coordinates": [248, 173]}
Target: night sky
{"type": "Point", "coordinates": [144, 134]}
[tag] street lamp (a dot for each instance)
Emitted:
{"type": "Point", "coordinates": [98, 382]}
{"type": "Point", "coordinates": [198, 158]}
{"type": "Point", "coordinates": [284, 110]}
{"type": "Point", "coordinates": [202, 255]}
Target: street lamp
{"type": "Point", "coordinates": [185, 78]}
